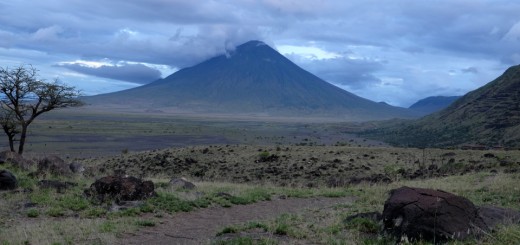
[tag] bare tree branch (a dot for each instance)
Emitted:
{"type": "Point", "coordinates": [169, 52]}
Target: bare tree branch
{"type": "Point", "coordinates": [24, 97]}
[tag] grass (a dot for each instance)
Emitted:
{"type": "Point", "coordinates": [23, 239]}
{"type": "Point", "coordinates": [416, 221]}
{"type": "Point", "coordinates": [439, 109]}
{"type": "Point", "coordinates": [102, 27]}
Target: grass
{"type": "Point", "coordinates": [69, 218]}
{"type": "Point", "coordinates": [53, 210]}
{"type": "Point", "coordinates": [328, 226]}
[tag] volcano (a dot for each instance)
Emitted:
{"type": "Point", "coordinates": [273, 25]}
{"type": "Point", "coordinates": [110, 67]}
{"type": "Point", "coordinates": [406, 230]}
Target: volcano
{"type": "Point", "coordinates": [252, 79]}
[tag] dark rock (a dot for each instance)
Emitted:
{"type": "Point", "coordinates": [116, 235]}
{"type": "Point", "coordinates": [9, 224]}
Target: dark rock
{"type": "Point", "coordinates": [15, 159]}
{"type": "Point", "coordinates": [494, 216]}
{"type": "Point", "coordinates": [489, 155]}
{"type": "Point", "coordinates": [59, 186]}
{"type": "Point", "coordinates": [224, 195]}
{"type": "Point", "coordinates": [268, 158]}
{"type": "Point", "coordinates": [77, 168]}
{"type": "Point", "coordinates": [54, 165]}
{"type": "Point", "coordinates": [29, 205]}
{"type": "Point", "coordinates": [7, 180]}
{"type": "Point", "coordinates": [449, 154]}
{"type": "Point", "coordinates": [427, 214]}
{"type": "Point", "coordinates": [181, 183]}
{"type": "Point", "coordinates": [190, 160]}
{"type": "Point", "coordinates": [120, 188]}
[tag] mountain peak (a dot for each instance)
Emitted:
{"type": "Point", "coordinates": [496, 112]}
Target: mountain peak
{"type": "Point", "coordinates": [254, 79]}
{"type": "Point", "coordinates": [251, 44]}
{"type": "Point", "coordinates": [254, 46]}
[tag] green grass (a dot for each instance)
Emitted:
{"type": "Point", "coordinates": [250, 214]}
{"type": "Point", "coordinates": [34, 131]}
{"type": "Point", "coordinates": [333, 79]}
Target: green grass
{"type": "Point", "coordinates": [328, 226]}
{"type": "Point", "coordinates": [33, 213]}
{"type": "Point", "coordinates": [363, 225]}
{"type": "Point", "coordinates": [145, 223]}
{"type": "Point", "coordinates": [53, 218]}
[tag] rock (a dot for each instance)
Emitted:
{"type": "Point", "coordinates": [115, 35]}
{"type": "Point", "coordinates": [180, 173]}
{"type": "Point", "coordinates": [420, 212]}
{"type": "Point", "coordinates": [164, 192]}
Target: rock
{"type": "Point", "coordinates": [59, 186]}
{"type": "Point", "coordinates": [494, 216]}
{"type": "Point", "coordinates": [224, 195]}
{"type": "Point", "coordinates": [77, 168]}
{"type": "Point", "coordinates": [489, 155]}
{"type": "Point", "coordinates": [181, 183]}
{"type": "Point", "coordinates": [427, 214]}
{"type": "Point", "coordinates": [7, 180]}
{"type": "Point", "coordinates": [54, 165]}
{"type": "Point", "coordinates": [121, 188]}
{"type": "Point", "coordinates": [15, 159]}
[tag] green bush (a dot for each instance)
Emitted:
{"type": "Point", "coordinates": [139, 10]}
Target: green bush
{"type": "Point", "coordinates": [147, 223]}
{"type": "Point", "coordinates": [33, 213]}
{"type": "Point", "coordinates": [170, 203]}
{"type": "Point", "coordinates": [228, 230]}
{"type": "Point", "coordinates": [73, 202]}
{"type": "Point", "coordinates": [94, 212]}
{"type": "Point", "coordinates": [55, 212]}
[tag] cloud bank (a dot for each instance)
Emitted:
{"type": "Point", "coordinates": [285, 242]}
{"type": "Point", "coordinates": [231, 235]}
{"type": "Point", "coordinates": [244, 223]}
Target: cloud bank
{"type": "Point", "coordinates": [396, 52]}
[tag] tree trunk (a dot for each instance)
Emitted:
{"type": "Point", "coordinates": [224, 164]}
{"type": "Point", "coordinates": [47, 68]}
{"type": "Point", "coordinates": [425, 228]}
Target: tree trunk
{"type": "Point", "coordinates": [23, 135]}
{"type": "Point", "coordinates": [11, 142]}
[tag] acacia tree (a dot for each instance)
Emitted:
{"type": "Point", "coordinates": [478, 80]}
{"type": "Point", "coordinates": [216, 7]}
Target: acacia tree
{"type": "Point", "coordinates": [23, 97]}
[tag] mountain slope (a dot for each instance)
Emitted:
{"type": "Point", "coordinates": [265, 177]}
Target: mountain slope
{"type": "Point", "coordinates": [432, 104]}
{"type": "Point", "coordinates": [488, 116]}
{"type": "Point", "coordinates": [253, 79]}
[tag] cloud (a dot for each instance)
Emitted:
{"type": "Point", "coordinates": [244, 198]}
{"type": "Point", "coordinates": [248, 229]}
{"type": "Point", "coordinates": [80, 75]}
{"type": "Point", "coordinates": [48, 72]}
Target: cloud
{"type": "Point", "coordinates": [134, 73]}
{"type": "Point", "coordinates": [343, 69]}
{"type": "Point", "coordinates": [416, 41]}
{"type": "Point", "coordinates": [470, 70]}
{"type": "Point", "coordinates": [48, 33]}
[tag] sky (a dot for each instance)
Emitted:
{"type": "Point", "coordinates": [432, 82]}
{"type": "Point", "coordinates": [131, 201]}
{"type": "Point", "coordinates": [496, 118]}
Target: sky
{"type": "Point", "coordinates": [395, 51]}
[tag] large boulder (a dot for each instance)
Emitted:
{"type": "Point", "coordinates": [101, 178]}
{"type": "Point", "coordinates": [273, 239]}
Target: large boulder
{"type": "Point", "coordinates": [15, 159]}
{"type": "Point", "coordinates": [431, 215]}
{"type": "Point", "coordinates": [121, 188]}
{"type": "Point", "coordinates": [7, 180]}
{"type": "Point", "coordinates": [54, 165]}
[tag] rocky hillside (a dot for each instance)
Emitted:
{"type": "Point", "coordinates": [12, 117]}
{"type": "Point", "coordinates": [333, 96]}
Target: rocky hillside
{"type": "Point", "coordinates": [432, 104]}
{"type": "Point", "coordinates": [301, 166]}
{"type": "Point", "coordinates": [488, 116]}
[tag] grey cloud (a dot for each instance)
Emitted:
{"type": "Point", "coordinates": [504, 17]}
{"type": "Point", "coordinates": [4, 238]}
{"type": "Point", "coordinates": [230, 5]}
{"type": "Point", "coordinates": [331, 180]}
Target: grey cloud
{"type": "Point", "coordinates": [182, 33]}
{"type": "Point", "coordinates": [209, 26]}
{"type": "Point", "coordinates": [135, 73]}
{"type": "Point", "coordinates": [470, 69]}
{"type": "Point", "coordinates": [355, 73]}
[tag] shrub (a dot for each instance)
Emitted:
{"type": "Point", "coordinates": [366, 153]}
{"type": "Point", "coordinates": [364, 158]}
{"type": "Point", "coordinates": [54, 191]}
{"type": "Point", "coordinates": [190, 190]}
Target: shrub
{"type": "Point", "coordinates": [33, 213]}
{"type": "Point", "coordinates": [148, 223]}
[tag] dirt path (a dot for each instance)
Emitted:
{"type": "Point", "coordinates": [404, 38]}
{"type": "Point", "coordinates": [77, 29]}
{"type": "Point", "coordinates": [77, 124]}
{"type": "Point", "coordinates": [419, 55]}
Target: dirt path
{"type": "Point", "coordinates": [199, 227]}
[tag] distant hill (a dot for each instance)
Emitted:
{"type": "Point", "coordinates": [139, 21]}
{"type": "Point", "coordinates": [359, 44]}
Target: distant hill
{"type": "Point", "coordinates": [432, 104]}
{"type": "Point", "coordinates": [252, 79]}
{"type": "Point", "coordinates": [488, 116]}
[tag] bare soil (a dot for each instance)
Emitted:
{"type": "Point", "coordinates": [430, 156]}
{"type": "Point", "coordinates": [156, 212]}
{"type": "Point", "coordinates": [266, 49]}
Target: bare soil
{"type": "Point", "coordinates": [201, 226]}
